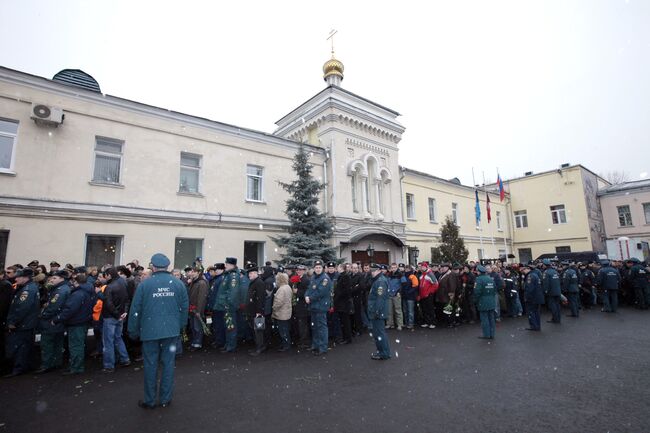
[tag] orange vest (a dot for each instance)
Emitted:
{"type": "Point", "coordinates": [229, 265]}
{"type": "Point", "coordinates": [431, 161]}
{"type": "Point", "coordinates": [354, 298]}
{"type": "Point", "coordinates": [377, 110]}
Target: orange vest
{"type": "Point", "coordinates": [97, 309]}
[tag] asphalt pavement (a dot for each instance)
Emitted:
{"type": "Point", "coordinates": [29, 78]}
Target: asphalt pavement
{"type": "Point", "coordinates": [590, 374]}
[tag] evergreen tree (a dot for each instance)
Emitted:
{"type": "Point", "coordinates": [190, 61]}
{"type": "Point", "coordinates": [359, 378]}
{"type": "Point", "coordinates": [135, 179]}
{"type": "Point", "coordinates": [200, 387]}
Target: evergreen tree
{"type": "Point", "coordinates": [452, 247]}
{"type": "Point", "coordinates": [310, 229]}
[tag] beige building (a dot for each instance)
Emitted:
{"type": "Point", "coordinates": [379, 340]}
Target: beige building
{"type": "Point", "coordinates": [91, 178]}
{"type": "Point", "coordinates": [428, 200]}
{"type": "Point", "coordinates": [626, 213]}
{"type": "Point", "coordinates": [556, 211]}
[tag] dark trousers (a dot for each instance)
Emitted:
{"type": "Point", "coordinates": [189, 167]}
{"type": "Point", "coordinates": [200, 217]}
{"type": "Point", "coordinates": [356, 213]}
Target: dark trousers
{"type": "Point", "coordinates": [346, 325]}
{"type": "Point", "coordinates": [488, 323]}
{"type": "Point", "coordinates": [260, 343]}
{"type": "Point", "coordinates": [159, 352]}
{"type": "Point", "coordinates": [554, 306]}
{"type": "Point", "coordinates": [640, 298]}
{"type": "Point", "coordinates": [428, 314]}
{"type": "Point", "coordinates": [319, 331]}
{"type": "Point", "coordinates": [358, 311]}
{"type": "Point", "coordinates": [610, 301]}
{"type": "Point", "coordinates": [19, 345]}
{"type": "Point", "coordinates": [76, 347]}
{"type": "Point", "coordinates": [283, 330]}
{"type": "Point", "coordinates": [98, 326]}
{"type": "Point", "coordinates": [196, 331]}
{"type": "Point", "coordinates": [51, 350]}
{"type": "Point", "coordinates": [573, 304]}
{"type": "Point", "coordinates": [379, 334]}
{"type": "Point", "coordinates": [303, 330]}
{"type": "Point", "coordinates": [231, 324]}
{"type": "Point", "coordinates": [533, 316]}
{"type": "Point", "coordinates": [218, 328]}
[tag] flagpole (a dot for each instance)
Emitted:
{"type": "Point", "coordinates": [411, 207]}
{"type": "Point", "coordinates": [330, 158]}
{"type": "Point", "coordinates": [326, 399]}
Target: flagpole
{"type": "Point", "coordinates": [505, 244]}
{"type": "Point", "coordinates": [480, 235]}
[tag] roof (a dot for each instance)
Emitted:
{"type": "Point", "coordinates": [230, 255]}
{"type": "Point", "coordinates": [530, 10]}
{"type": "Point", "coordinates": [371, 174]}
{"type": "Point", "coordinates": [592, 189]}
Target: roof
{"type": "Point", "coordinates": [340, 89]}
{"type": "Point", "coordinates": [552, 171]}
{"type": "Point", "coordinates": [94, 96]}
{"type": "Point", "coordinates": [453, 182]}
{"type": "Point", "coordinates": [626, 186]}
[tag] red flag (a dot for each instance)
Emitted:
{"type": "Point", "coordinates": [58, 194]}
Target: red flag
{"type": "Point", "coordinates": [489, 216]}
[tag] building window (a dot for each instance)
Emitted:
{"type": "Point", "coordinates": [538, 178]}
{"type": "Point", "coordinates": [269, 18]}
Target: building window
{"type": "Point", "coordinates": [646, 211]}
{"type": "Point", "coordinates": [624, 216]}
{"type": "Point", "coordinates": [254, 252]}
{"type": "Point", "coordinates": [186, 251]}
{"type": "Point", "coordinates": [481, 253]}
{"type": "Point", "coordinates": [562, 249]}
{"type": "Point", "coordinates": [432, 210]}
{"type": "Point", "coordinates": [103, 250]}
{"type": "Point", "coordinates": [190, 173]}
{"type": "Point", "coordinates": [8, 134]}
{"type": "Point", "coordinates": [558, 214]}
{"type": "Point", "coordinates": [454, 213]}
{"type": "Point", "coordinates": [380, 198]}
{"type": "Point", "coordinates": [108, 160]}
{"type": "Point", "coordinates": [525, 255]}
{"type": "Point", "coordinates": [498, 220]}
{"type": "Point", "coordinates": [353, 186]}
{"type": "Point", "coordinates": [254, 175]}
{"type": "Point", "coordinates": [502, 254]}
{"type": "Point", "coordinates": [521, 219]}
{"type": "Point", "coordinates": [410, 206]}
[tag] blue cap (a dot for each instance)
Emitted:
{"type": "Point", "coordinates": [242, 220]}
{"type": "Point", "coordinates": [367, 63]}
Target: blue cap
{"type": "Point", "coordinates": [546, 262]}
{"type": "Point", "coordinates": [604, 262]}
{"type": "Point", "coordinates": [481, 269]}
{"type": "Point", "coordinates": [159, 260]}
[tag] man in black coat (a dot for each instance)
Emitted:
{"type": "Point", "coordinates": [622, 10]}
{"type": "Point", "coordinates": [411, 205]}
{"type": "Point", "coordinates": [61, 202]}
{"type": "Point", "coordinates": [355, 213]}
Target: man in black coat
{"type": "Point", "coordinates": [301, 309]}
{"type": "Point", "coordinates": [255, 307]}
{"type": "Point", "coordinates": [115, 309]}
{"type": "Point", "coordinates": [356, 289]}
{"type": "Point", "coordinates": [343, 304]}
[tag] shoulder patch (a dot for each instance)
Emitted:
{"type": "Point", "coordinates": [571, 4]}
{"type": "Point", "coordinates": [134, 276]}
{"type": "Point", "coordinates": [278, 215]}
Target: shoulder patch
{"type": "Point", "coordinates": [380, 291]}
{"type": "Point", "coordinates": [23, 296]}
{"type": "Point", "coordinates": [55, 298]}
{"type": "Point", "coordinates": [233, 283]}
{"type": "Point", "coordinates": [324, 282]}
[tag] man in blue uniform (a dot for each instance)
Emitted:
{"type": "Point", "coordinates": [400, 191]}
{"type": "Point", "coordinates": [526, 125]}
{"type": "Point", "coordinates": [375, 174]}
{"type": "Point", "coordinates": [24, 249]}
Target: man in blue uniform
{"type": "Point", "coordinates": [158, 313]}
{"type": "Point", "coordinates": [228, 302]}
{"type": "Point", "coordinates": [52, 334]}
{"type": "Point", "coordinates": [378, 311]}
{"type": "Point", "coordinates": [570, 282]}
{"type": "Point", "coordinates": [318, 297]}
{"type": "Point", "coordinates": [639, 279]}
{"type": "Point", "coordinates": [608, 280]}
{"type": "Point", "coordinates": [534, 298]}
{"type": "Point", "coordinates": [21, 321]}
{"type": "Point", "coordinates": [485, 300]}
{"type": "Point", "coordinates": [553, 290]}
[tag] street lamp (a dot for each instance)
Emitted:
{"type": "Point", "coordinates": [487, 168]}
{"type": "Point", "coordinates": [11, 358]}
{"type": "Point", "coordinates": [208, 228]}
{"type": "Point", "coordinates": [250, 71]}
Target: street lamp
{"type": "Point", "coordinates": [370, 250]}
{"type": "Point", "coordinates": [416, 253]}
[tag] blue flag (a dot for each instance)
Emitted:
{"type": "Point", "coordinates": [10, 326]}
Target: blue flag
{"type": "Point", "coordinates": [478, 209]}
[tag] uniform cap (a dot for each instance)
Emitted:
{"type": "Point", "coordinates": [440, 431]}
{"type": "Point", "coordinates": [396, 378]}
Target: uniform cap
{"type": "Point", "coordinates": [231, 261]}
{"type": "Point", "coordinates": [25, 272]}
{"type": "Point", "coordinates": [318, 263]}
{"type": "Point", "coordinates": [546, 262]}
{"type": "Point", "coordinates": [62, 274]}
{"type": "Point", "coordinates": [55, 264]}
{"type": "Point", "coordinates": [251, 267]}
{"type": "Point", "coordinates": [159, 260]}
{"type": "Point", "coordinates": [80, 270]}
{"type": "Point", "coordinates": [301, 267]}
{"type": "Point", "coordinates": [375, 266]}
{"type": "Point", "coordinates": [219, 266]}
{"type": "Point", "coordinates": [481, 269]}
{"type": "Point", "coordinates": [331, 264]}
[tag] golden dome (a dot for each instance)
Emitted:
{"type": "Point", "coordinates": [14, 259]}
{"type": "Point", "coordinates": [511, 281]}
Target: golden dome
{"type": "Point", "coordinates": [332, 67]}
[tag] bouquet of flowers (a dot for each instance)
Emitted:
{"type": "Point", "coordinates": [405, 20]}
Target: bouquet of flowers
{"type": "Point", "coordinates": [204, 326]}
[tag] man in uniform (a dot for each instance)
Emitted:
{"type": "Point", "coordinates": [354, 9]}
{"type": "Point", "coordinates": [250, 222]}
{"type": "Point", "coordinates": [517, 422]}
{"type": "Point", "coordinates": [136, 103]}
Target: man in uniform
{"type": "Point", "coordinates": [228, 302]}
{"type": "Point", "coordinates": [608, 280]}
{"type": "Point", "coordinates": [639, 281]}
{"type": "Point", "coordinates": [21, 321]}
{"type": "Point", "coordinates": [52, 334]}
{"type": "Point", "coordinates": [570, 285]}
{"type": "Point", "coordinates": [553, 290]}
{"type": "Point", "coordinates": [485, 300]}
{"type": "Point", "coordinates": [255, 306]}
{"type": "Point", "coordinates": [587, 292]}
{"type": "Point", "coordinates": [218, 327]}
{"type": "Point", "coordinates": [318, 297]}
{"type": "Point", "coordinates": [534, 297]}
{"type": "Point", "coordinates": [378, 311]}
{"type": "Point", "coordinates": [158, 313]}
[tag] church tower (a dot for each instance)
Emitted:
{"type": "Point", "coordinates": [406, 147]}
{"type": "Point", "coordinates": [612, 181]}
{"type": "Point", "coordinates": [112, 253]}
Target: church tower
{"type": "Point", "coordinates": [361, 138]}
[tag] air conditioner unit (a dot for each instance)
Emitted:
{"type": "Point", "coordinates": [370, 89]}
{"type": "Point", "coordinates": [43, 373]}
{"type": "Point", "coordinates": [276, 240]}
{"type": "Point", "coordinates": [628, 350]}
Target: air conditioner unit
{"type": "Point", "coordinates": [45, 115]}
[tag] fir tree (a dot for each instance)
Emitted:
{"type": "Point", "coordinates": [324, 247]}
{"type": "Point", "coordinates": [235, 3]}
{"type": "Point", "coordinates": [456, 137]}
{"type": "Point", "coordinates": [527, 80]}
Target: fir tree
{"type": "Point", "coordinates": [310, 229]}
{"type": "Point", "coordinates": [452, 247]}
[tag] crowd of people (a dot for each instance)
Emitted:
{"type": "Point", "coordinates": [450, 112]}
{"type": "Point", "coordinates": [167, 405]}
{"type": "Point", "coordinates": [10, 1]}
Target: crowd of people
{"type": "Point", "coordinates": [314, 307]}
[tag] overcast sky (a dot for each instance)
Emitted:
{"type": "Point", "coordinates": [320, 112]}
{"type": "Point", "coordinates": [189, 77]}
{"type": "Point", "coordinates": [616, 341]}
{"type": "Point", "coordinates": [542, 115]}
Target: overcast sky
{"type": "Point", "coordinates": [518, 85]}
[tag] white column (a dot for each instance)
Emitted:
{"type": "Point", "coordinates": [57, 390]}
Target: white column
{"type": "Point", "coordinates": [377, 185]}
{"type": "Point", "coordinates": [364, 198]}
